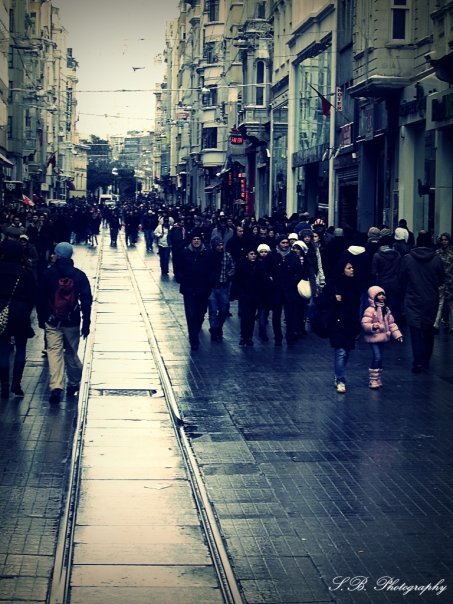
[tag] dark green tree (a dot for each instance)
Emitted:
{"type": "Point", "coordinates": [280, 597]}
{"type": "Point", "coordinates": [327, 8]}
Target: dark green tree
{"type": "Point", "coordinates": [99, 169]}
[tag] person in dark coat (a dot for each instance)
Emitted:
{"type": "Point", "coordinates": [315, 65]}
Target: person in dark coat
{"type": "Point", "coordinates": [199, 271]}
{"type": "Point", "coordinates": [385, 267]}
{"type": "Point", "coordinates": [18, 283]}
{"type": "Point", "coordinates": [344, 319]}
{"type": "Point", "coordinates": [286, 272]}
{"type": "Point", "coordinates": [421, 275]}
{"type": "Point", "coordinates": [177, 239]}
{"type": "Point", "coordinates": [236, 246]}
{"type": "Point", "coordinates": [360, 259]}
{"type": "Point", "coordinates": [332, 251]}
{"type": "Point", "coordinates": [252, 281]}
{"type": "Point", "coordinates": [63, 335]}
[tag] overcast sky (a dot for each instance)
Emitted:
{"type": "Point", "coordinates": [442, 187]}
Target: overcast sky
{"type": "Point", "coordinates": [109, 38]}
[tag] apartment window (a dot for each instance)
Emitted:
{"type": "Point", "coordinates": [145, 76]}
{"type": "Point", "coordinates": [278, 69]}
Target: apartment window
{"type": "Point", "coordinates": [259, 91]}
{"type": "Point", "coordinates": [400, 19]}
{"type": "Point", "coordinates": [209, 138]}
{"type": "Point", "coordinates": [10, 127]}
{"type": "Point", "coordinates": [209, 99]}
{"type": "Point", "coordinates": [261, 10]}
{"type": "Point", "coordinates": [212, 7]}
{"type": "Point", "coordinates": [209, 52]}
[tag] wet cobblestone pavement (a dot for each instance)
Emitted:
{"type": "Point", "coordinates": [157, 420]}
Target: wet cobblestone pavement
{"type": "Point", "coordinates": [308, 485]}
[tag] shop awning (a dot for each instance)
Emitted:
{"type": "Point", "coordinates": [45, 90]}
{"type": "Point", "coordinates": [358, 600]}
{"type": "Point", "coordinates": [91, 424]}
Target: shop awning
{"type": "Point", "coordinates": [4, 160]}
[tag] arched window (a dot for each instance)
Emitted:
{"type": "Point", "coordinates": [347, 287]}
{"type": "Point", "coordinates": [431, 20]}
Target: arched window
{"type": "Point", "coordinates": [260, 81]}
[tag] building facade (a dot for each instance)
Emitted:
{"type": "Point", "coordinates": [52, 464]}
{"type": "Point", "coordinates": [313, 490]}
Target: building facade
{"type": "Point", "coordinates": [39, 139]}
{"type": "Point", "coordinates": [339, 108]}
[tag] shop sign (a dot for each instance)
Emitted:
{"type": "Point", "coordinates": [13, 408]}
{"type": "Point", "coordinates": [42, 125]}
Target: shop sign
{"type": "Point", "coordinates": [236, 137]}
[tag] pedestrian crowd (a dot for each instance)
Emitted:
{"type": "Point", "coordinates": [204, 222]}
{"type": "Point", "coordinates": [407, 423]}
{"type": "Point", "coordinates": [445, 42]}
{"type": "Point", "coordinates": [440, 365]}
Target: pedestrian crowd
{"type": "Point", "coordinates": [37, 272]}
{"type": "Point", "coordinates": [289, 275]}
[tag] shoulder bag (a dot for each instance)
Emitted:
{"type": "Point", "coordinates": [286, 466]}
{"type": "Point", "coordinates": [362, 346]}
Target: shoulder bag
{"type": "Point", "coordinates": [4, 313]}
{"type": "Point", "coordinates": [304, 289]}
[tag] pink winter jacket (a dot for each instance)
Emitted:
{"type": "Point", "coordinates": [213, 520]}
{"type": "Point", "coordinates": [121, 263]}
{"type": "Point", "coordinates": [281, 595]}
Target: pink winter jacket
{"type": "Point", "coordinates": [373, 314]}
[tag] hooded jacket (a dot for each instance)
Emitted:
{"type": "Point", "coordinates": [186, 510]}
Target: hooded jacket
{"type": "Point", "coordinates": [421, 275]}
{"type": "Point", "coordinates": [64, 267]}
{"type": "Point", "coordinates": [377, 313]}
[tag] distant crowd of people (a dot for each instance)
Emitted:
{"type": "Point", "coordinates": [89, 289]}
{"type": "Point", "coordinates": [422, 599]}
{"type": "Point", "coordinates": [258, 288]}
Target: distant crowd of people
{"type": "Point", "coordinates": [376, 283]}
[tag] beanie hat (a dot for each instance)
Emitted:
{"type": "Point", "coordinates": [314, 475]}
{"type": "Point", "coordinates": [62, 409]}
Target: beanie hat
{"type": "Point", "coordinates": [424, 239]}
{"type": "Point", "coordinates": [301, 245]}
{"type": "Point", "coordinates": [263, 246]}
{"type": "Point", "coordinates": [306, 233]}
{"type": "Point", "coordinates": [63, 250]}
{"type": "Point", "coordinates": [293, 236]}
{"type": "Point", "coordinates": [385, 232]}
{"type": "Point", "coordinates": [338, 232]}
{"type": "Point", "coordinates": [374, 233]}
{"type": "Point", "coordinates": [281, 238]}
{"type": "Point", "coordinates": [13, 231]}
{"type": "Point", "coordinates": [215, 241]}
{"type": "Point", "coordinates": [401, 233]}
{"type": "Point", "coordinates": [385, 240]}
{"type": "Point", "coordinates": [196, 233]}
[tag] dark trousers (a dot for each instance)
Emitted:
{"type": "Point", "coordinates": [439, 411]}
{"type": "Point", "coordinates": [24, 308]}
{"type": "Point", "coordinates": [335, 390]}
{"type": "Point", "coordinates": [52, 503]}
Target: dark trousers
{"type": "Point", "coordinates": [422, 340]}
{"type": "Point", "coordinates": [164, 259]}
{"type": "Point", "coordinates": [248, 314]}
{"type": "Point", "coordinates": [195, 307]}
{"type": "Point", "coordinates": [19, 358]}
{"type": "Point", "coordinates": [289, 308]}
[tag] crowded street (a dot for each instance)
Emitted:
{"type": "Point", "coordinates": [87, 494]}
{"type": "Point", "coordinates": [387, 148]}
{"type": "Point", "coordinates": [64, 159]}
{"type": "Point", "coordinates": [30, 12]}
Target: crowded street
{"type": "Point", "coordinates": [224, 473]}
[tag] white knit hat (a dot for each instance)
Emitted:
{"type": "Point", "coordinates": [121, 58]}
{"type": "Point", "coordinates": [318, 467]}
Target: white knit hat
{"type": "Point", "coordinates": [401, 234]}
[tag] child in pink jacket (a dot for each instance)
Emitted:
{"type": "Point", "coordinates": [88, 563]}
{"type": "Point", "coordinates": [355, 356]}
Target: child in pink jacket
{"type": "Point", "coordinates": [378, 326]}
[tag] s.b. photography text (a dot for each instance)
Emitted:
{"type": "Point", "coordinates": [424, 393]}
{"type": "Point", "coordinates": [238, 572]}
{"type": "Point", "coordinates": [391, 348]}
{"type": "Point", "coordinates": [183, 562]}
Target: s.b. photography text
{"type": "Point", "coordinates": [386, 583]}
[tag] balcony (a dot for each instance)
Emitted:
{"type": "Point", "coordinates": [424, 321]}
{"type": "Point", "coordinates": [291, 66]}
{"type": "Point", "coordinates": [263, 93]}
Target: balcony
{"type": "Point", "coordinates": [212, 157]}
{"type": "Point", "coordinates": [441, 57]}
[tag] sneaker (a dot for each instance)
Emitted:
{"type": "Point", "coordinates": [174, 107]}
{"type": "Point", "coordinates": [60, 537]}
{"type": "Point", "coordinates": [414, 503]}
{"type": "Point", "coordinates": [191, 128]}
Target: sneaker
{"type": "Point", "coordinates": [55, 396]}
{"type": "Point", "coordinates": [341, 387]}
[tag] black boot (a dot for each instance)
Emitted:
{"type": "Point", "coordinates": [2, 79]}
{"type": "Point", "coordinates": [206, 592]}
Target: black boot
{"type": "Point", "coordinates": [18, 370]}
{"type": "Point", "coordinates": [4, 378]}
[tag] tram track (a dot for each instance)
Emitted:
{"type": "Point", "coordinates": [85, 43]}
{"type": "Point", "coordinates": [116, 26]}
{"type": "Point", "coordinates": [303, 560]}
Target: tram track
{"type": "Point", "coordinates": [60, 585]}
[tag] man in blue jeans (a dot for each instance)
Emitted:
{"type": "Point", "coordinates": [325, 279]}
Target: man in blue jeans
{"type": "Point", "coordinates": [219, 298]}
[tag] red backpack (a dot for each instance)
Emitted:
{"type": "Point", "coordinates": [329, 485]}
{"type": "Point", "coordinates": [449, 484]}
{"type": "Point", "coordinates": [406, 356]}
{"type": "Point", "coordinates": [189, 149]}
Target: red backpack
{"type": "Point", "coordinates": [65, 299]}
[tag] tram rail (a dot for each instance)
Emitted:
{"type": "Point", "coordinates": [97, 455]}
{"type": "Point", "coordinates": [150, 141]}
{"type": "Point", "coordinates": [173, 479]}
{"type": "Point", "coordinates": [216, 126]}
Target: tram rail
{"type": "Point", "coordinates": [59, 592]}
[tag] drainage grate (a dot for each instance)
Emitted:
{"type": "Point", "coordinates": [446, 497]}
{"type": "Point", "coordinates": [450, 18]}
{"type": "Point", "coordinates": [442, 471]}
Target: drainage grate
{"type": "Point", "coordinates": [125, 392]}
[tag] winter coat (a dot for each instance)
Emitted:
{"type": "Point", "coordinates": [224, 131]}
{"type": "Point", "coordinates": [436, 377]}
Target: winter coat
{"type": "Point", "coordinates": [344, 316]}
{"type": "Point", "coordinates": [421, 275]}
{"type": "Point", "coordinates": [360, 260]}
{"type": "Point", "coordinates": [199, 271]}
{"type": "Point", "coordinates": [23, 300]}
{"type": "Point", "coordinates": [385, 268]}
{"type": "Point", "coordinates": [64, 267]}
{"type": "Point", "coordinates": [376, 313]}
{"type": "Point", "coordinates": [253, 282]}
{"type": "Point", "coordinates": [286, 272]}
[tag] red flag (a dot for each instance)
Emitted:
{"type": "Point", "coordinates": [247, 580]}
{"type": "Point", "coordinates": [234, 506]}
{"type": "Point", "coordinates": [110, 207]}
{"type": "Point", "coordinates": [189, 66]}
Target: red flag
{"type": "Point", "coordinates": [27, 201]}
{"type": "Point", "coordinates": [325, 104]}
{"type": "Point", "coordinates": [52, 161]}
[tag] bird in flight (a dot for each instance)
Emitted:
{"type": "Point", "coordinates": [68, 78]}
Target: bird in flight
{"type": "Point", "coordinates": [135, 68]}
